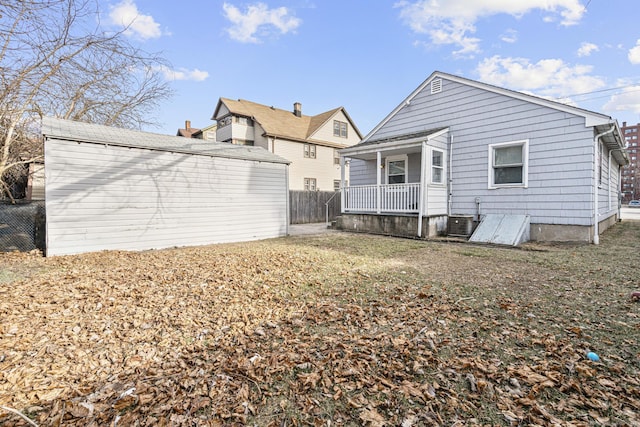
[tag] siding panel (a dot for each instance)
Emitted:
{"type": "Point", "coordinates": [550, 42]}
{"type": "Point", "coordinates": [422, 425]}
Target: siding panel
{"type": "Point", "coordinates": [104, 197]}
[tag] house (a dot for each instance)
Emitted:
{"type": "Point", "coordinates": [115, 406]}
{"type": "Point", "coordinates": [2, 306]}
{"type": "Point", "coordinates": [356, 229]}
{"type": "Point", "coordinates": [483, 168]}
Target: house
{"type": "Point", "coordinates": [207, 133]}
{"type": "Point", "coordinates": [109, 188]}
{"type": "Point", "coordinates": [458, 152]}
{"type": "Point", "coordinates": [188, 131]}
{"type": "Point", "coordinates": [311, 143]}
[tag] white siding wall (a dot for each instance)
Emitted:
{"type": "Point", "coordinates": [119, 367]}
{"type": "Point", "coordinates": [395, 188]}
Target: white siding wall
{"type": "Point", "coordinates": [325, 133]}
{"type": "Point", "coordinates": [321, 168]}
{"type": "Point", "coordinates": [104, 197]}
{"type": "Point", "coordinates": [561, 153]}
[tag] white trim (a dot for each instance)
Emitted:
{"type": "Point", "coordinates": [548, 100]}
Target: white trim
{"type": "Point", "coordinates": [391, 145]}
{"type": "Point", "coordinates": [402, 157]}
{"type": "Point", "coordinates": [525, 164]}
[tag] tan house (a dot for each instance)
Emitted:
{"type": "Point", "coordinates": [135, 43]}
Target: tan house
{"type": "Point", "coordinates": [311, 143]}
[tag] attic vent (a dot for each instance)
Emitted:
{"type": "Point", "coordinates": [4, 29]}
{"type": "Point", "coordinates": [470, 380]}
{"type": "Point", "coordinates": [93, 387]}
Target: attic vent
{"type": "Point", "coordinates": [436, 86]}
{"type": "Point", "coordinates": [460, 225]}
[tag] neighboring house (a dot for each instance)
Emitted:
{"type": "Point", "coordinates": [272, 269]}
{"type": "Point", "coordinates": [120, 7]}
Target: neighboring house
{"type": "Point", "coordinates": [208, 133]}
{"type": "Point", "coordinates": [311, 143]}
{"type": "Point", "coordinates": [188, 131]}
{"type": "Point", "coordinates": [460, 151]}
{"type": "Point", "coordinates": [109, 188]}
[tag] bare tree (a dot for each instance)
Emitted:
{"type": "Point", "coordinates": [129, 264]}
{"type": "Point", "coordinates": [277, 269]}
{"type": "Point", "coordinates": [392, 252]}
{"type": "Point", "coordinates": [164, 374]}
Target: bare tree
{"type": "Point", "coordinates": [55, 59]}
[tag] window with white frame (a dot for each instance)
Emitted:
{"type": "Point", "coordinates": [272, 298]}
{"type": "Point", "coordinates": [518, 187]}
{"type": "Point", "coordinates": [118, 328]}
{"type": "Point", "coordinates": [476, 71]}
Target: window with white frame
{"type": "Point", "coordinates": [396, 168]}
{"type": "Point", "coordinates": [508, 163]}
{"type": "Point", "coordinates": [310, 184]}
{"type": "Point", "coordinates": [336, 185]}
{"type": "Point", "coordinates": [336, 157]}
{"type": "Point", "coordinates": [437, 166]}
{"type": "Point", "coordinates": [310, 151]}
{"type": "Point", "coordinates": [339, 128]}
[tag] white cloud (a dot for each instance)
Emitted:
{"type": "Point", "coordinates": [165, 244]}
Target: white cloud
{"type": "Point", "coordinates": [626, 101]}
{"type": "Point", "coordinates": [453, 21]}
{"type": "Point", "coordinates": [634, 53]}
{"type": "Point", "coordinates": [126, 14]}
{"type": "Point", "coordinates": [509, 36]}
{"type": "Point", "coordinates": [551, 78]}
{"type": "Point", "coordinates": [587, 48]}
{"type": "Point", "coordinates": [258, 19]}
{"type": "Point", "coordinates": [184, 74]}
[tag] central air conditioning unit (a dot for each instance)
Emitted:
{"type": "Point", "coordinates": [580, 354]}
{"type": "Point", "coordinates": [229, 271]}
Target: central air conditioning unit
{"type": "Point", "coordinates": [460, 225]}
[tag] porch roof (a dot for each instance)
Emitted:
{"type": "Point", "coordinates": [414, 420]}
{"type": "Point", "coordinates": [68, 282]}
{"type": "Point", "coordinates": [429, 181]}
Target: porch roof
{"type": "Point", "coordinates": [405, 143]}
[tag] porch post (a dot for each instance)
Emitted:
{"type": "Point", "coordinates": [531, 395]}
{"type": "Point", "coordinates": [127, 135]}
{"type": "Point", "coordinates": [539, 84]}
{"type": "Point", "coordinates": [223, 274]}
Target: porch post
{"type": "Point", "coordinates": [343, 190]}
{"type": "Point", "coordinates": [421, 198]}
{"type": "Point", "coordinates": [378, 180]}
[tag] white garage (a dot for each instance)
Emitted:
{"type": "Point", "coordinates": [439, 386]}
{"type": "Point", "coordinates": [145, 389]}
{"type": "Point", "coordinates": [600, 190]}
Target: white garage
{"type": "Point", "coordinates": [109, 188]}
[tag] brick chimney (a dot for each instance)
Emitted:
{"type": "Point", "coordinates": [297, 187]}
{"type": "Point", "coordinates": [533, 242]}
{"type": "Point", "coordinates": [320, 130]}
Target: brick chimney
{"type": "Point", "coordinates": [187, 124]}
{"type": "Point", "coordinates": [297, 109]}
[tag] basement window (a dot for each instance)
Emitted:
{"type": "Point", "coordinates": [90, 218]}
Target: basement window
{"type": "Point", "coordinates": [508, 164]}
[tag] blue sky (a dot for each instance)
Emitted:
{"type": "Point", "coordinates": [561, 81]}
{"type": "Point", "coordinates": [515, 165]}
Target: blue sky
{"type": "Point", "coordinates": [368, 55]}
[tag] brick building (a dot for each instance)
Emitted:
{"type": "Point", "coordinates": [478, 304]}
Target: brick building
{"type": "Point", "coordinates": [631, 173]}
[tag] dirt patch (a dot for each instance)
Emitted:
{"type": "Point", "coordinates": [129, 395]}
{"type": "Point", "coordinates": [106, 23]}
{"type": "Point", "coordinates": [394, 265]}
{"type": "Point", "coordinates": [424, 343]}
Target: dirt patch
{"type": "Point", "coordinates": [334, 329]}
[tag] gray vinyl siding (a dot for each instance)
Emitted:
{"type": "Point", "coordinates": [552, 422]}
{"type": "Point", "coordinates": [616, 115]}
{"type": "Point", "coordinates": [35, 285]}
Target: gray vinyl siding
{"type": "Point", "coordinates": [560, 183]}
{"type": "Point", "coordinates": [362, 172]}
{"type": "Point", "coordinates": [101, 197]}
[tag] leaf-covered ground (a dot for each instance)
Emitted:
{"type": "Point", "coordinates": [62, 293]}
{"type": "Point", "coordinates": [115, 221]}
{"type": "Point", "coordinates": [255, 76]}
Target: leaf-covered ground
{"type": "Point", "coordinates": [332, 330]}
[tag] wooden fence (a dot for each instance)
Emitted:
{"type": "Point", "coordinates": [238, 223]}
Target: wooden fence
{"type": "Point", "coordinates": [310, 206]}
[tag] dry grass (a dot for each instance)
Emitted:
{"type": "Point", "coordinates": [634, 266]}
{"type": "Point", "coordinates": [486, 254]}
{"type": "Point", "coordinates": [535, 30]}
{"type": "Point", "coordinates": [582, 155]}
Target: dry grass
{"type": "Point", "coordinates": [337, 329]}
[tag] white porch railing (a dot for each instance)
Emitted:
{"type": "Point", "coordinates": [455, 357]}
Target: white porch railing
{"type": "Point", "coordinates": [394, 198]}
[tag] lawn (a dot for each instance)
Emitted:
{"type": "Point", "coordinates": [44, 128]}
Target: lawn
{"type": "Point", "coordinates": [333, 330]}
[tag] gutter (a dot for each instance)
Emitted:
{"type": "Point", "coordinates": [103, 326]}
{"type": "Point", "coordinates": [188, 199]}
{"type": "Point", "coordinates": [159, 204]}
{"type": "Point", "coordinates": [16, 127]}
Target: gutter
{"type": "Point", "coordinates": [596, 152]}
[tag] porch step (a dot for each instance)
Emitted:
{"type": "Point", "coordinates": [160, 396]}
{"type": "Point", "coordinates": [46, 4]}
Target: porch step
{"type": "Point", "coordinates": [502, 229]}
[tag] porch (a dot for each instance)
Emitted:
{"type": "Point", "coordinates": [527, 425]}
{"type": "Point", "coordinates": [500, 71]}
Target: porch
{"type": "Point", "coordinates": [383, 198]}
{"type": "Point", "coordinates": [397, 185]}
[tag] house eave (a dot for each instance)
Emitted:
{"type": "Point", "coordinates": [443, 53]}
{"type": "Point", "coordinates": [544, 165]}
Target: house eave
{"type": "Point", "coordinates": [409, 142]}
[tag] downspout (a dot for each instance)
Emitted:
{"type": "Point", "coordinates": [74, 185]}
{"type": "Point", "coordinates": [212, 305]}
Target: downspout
{"type": "Point", "coordinates": [596, 151]}
{"type": "Point", "coordinates": [449, 205]}
{"type": "Point", "coordinates": [609, 179]}
{"type": "Point", "coordinates": [421, 195]}
{"type": "Point", "coordinates": [343, 190]}
{"type": "Point", "coordinates": [378, 180]}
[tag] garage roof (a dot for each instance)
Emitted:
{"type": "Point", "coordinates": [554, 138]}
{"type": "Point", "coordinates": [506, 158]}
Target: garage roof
{"type": "Point", "coordinates": [53, 128]}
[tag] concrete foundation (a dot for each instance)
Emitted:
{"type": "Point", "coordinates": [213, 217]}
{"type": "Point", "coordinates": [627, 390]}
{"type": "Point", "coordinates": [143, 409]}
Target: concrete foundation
{"type": "Point", "coordinates": [407, 226]}
{"type": "Point", "coordinates": [569, 233]}
{"type": "Point", "coordinates": [393, 225]}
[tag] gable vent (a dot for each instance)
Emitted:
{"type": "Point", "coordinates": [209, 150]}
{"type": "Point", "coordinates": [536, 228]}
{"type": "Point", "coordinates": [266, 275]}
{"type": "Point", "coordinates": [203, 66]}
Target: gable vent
{"type": "Point", "coordinates": [436, 86]}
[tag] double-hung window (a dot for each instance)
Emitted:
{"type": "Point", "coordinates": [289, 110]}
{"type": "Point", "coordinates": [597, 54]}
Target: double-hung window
{"type": "Point", "coordinates": [310, 151]}
{"type": "Point", "coordinates": [508, 164]}
{"type": "Point", "coordinates": [396, 168]}
{"type": "Point", "coordinates": [339, 129]}
{"type": "Point", "coordinates": [437, 166]}
{"type": "Point", "coordinates": [310, 184]}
